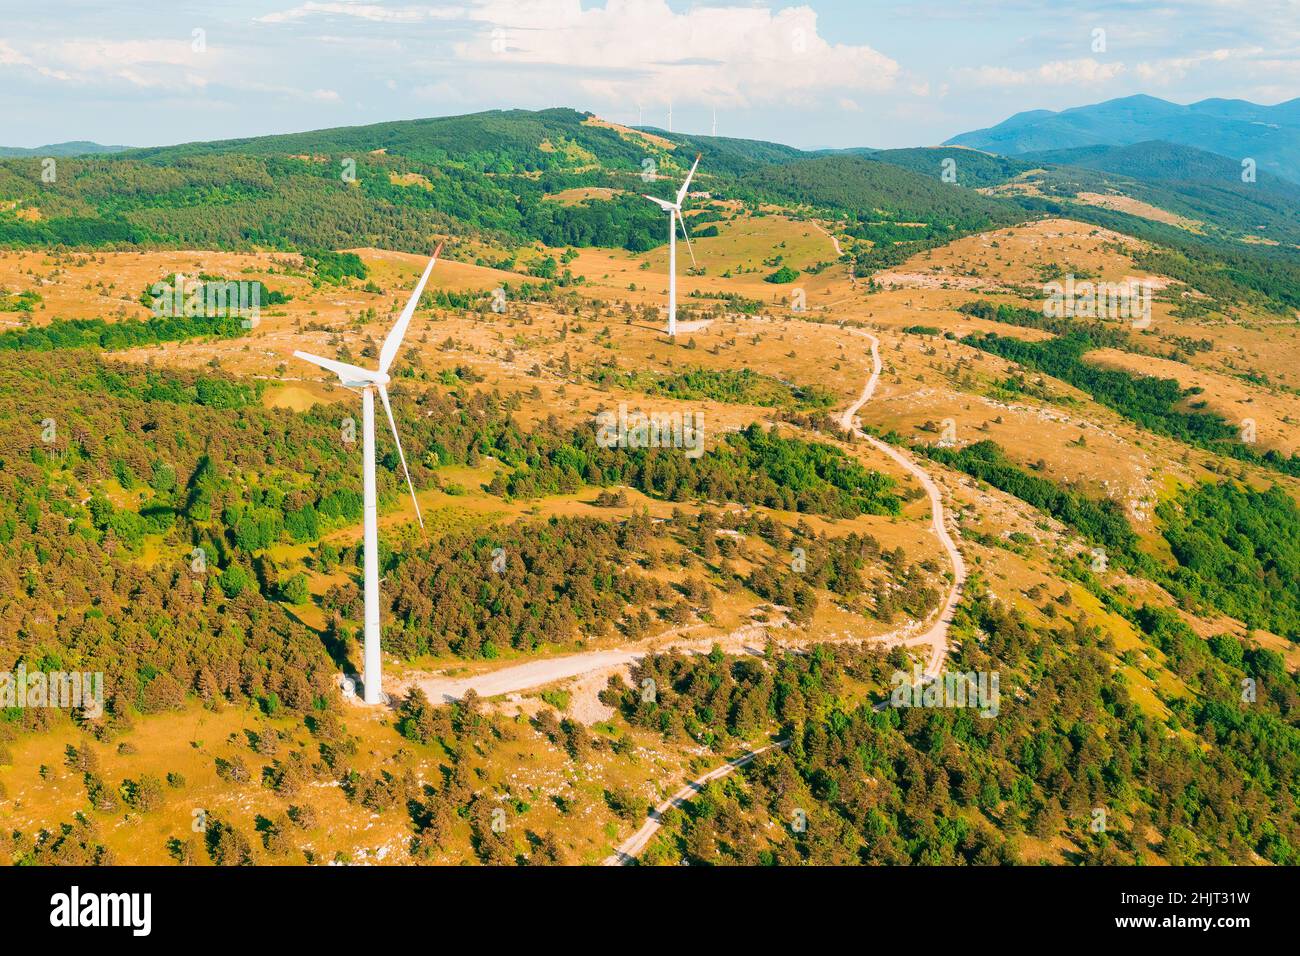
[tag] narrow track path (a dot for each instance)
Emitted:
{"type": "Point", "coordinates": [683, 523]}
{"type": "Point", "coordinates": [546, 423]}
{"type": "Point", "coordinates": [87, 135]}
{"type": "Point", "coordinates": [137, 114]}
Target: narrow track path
{"type": "Point", "coordinates": [936, 635]}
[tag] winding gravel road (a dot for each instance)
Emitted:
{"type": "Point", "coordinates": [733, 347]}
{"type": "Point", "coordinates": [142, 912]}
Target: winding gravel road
{"type": "Point", "coordinates": [630, 848]}
{"type": "Point", "coordinates": [936, 635]}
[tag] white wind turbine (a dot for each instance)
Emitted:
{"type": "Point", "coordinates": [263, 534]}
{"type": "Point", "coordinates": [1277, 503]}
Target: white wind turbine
{"type": "Point", "coordinates": [674, 210]}
{"type": "Point", "coordinates": [368, 382]}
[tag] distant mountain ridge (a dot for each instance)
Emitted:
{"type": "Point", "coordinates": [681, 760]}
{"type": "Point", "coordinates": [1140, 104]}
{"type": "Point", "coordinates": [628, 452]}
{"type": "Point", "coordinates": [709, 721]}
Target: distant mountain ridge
{"type": "Point", "coordinates": [1158, 161]}
{"type": "Point", "coordinates": [76, 148]}
{"type": "Point", "coordinates": [1237, 129]}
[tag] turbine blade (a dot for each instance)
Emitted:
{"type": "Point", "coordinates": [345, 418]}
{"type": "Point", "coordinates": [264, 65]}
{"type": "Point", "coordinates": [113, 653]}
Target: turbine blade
{"type": "Point", "coordinates": [388, 410]}
{"type": "Point", "coordinates": [661, 203]}
{"type": "Point", "coordinates": [346, 373]}
{"type": "Point", "coordinates": [394, 340]}
{"type": "Point", "coordinates": [681, 193]}
{"type": "Point", "coordinates": [686, 235]}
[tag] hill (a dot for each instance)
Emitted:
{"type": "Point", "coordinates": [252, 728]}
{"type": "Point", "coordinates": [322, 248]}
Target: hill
{"type": "Point", "coordinates": [894, 211]}
{"type": "Point", "coordinates": [78, 148]}
{"type": "Point", "coordinates": [872, 190]}
{"type": "Point", "coordinates": [971, 167]}
{"type": "Point", "coordinates": [1202, 187]}
{"type": "Point", "coordinates": [489, 176]}
{"type": "Point", "coordinates": [389, 184]}
{"type": "Point", "coordinates": [727, 155]}
{"type": "Point", "coordinates": [507, 180]}
{"type": "Point", "coordinates": [1268, 134]}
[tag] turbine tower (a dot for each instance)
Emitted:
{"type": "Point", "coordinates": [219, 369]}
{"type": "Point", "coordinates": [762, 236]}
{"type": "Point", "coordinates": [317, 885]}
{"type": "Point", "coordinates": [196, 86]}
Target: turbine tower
{"type": "Point", "coordinates": [367, 383]}
{"type": "Point", "coordinates": [674, 210]}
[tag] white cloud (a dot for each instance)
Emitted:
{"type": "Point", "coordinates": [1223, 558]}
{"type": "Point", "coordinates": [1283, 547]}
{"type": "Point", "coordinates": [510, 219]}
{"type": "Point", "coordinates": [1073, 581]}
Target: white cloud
{"type": "Point", "coordinates": [157, 63]}
{"type": "Point", "coordinates": [363, 11]}
{"type": "Point", "coordinates": [12, 57]}
{"type": "Point", "coordinates": [640, 50]}
{"type": "Point", "coordinates": [1172, 69]}
{"type": "Point", "coordinates": [643, 50]}
{"type": "Point", "coordinates": [1085, 71]}
{"type": "Point", "coordinates": [167, 65]}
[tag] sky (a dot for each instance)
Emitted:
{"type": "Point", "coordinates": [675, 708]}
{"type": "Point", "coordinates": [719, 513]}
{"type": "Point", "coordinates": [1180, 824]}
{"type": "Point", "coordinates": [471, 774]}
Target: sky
{"type": "Point", "coordinates": [819, 73]}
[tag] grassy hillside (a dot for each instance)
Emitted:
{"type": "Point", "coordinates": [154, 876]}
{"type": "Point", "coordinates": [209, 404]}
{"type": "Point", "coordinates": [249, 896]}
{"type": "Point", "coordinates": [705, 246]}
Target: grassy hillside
{"type": "Point", "coordinates": [875, 191]}
{"type": "Point", "coordinates": [390, 184]}
{"type": "Point", "coordinates": [722, 155]}
{"type": "Point", "coordinates": [895, 211]}
{"type": "Point", "coordinates": [398, 185]}
{"type": "Point", "coordinates": [497, 141]}
{"type": "Point", "coordinates": [1201, 186]}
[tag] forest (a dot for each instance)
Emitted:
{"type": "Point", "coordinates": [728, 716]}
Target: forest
{"type": "Point", "coordinates": [159, 574]}
{"type": "Point", "coordinates": [324, 191]}
{"type": "Point", "coordinates": [942, 786]}
{"type": "Point", "coordinates": [753, 466]}
{"type": "Point", "coordinates": [1099, 333]}
{"type": "Point", "coordinates": [162, 577]}
{"type": "Point", "coordinates": [394, 184]}
{"type": "Point", "coordinates": [741, 386]}
{"type": "Point", "coordinates": [1238, 551]}
{"type": "Point", "coordinates": [120, 334]}
{"type": "Point", "coordinates": [1233, 547]}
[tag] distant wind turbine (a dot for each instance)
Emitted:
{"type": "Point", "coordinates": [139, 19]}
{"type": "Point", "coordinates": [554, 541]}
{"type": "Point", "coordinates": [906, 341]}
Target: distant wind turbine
{"type": "Point", "coordinates": [367, 382]}
{"type": "Point", "coordinates": [674, 210]}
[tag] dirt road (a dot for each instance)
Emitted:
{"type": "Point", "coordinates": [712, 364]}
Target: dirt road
{"type": "Point", "coordinates": [631, 848]}
{"type": "Point", "coordinates": [936, 635]}
{"type": "Point", "coordinates": [528, 675]}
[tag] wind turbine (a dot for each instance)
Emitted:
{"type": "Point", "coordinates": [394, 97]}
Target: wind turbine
{"type": "Point", "coordinates": [368, 382]}
{"type": "Point", "coordinates": [674, 210]}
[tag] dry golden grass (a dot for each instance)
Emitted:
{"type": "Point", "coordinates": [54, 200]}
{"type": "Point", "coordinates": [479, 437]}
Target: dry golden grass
{"type": "Point", "coordinates": [581, 194]}
{"type": "Point", "coordinates": [925, 381]}
{"type": "Point", "coordinates": [1137, 207]}
{"type": "Point", "coordinates": [44, 792]}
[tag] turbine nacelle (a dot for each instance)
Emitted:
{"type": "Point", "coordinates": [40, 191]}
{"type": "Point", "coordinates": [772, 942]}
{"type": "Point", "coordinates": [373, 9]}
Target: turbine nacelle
{"type": "Point", "coordinates": [350, 376]}
{"type": "Point", "coordinates": [675, 219]}
{"type": "Point", "coordinates": [353, 376]}
{"type": "Point", "coordinates": [664, 204]}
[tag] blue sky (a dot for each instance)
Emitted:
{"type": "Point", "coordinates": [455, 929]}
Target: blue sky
{"type": "Point", "coordinates": [817, 73]}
